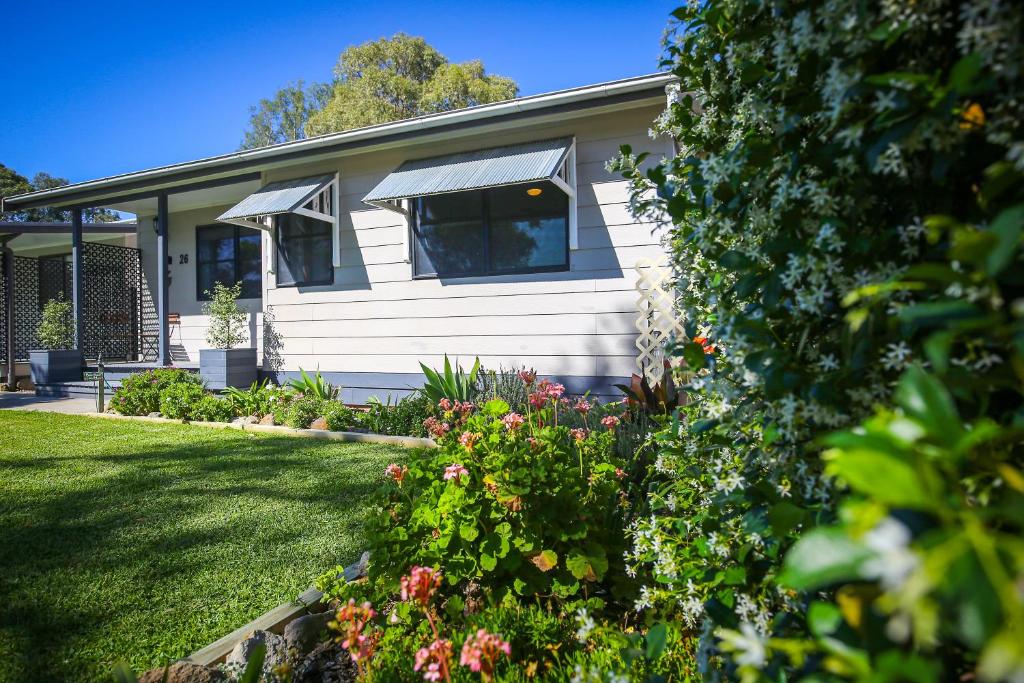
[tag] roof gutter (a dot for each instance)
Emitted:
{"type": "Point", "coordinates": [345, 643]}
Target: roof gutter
{"type": "Point", "coordinates": [164, 177]}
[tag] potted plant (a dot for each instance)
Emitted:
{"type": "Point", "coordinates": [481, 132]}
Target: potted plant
{"type": "Point", "coordinates": [223, 365]}
{"type": "Point", "coordinates": [58, 360]}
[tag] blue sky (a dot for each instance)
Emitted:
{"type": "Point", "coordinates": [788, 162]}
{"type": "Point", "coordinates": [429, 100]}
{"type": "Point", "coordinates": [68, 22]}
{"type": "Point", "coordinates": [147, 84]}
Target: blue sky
{"type": "Point", "coordinates": [99, 88]}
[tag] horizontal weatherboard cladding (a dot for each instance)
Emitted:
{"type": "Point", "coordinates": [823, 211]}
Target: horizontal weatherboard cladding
{"type": "Point", "coordinates": [484, 168]}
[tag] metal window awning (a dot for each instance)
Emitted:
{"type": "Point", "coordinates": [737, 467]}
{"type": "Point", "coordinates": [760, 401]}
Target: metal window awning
{"type": "Point", "coordinates": [509, 165]}
{"type": "Point", "coordinates": [311, 197]}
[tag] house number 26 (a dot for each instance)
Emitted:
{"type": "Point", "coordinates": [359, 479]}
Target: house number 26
{"type": "Point", "coordinates": [182, 258]}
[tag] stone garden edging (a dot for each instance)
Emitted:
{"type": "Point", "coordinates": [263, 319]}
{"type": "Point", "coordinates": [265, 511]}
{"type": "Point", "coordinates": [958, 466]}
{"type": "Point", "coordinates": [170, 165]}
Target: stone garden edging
{"type": "Point", "coordinates": [356, 437]}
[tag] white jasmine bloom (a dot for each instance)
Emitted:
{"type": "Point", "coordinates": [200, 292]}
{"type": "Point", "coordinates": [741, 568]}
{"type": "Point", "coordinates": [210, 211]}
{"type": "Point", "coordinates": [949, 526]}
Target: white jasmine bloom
{"type": "Point", "coordinates": [747, 645]}
{"type": "Point", "coordinates": [894, 560]}
{"type": "Point", "coordinates": [897, 356]}
{"type": "Point", "coordinates": [586, 625]}
{"type": "Point", "coordinates": [890, 162]}
{"type": "Point", "coordinates": [885, 100]}
{"type": "Point", "coordinates": [692, 609]}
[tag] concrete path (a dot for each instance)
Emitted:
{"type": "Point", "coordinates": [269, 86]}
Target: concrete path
{"type": "Point", "coordinates": [27, 400]}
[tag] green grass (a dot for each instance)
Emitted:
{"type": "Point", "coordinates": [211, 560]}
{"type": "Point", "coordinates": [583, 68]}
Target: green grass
{"type": "Point", "coordinates": [138, 542]}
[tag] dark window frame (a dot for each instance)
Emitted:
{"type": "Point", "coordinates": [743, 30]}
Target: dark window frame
{"type": "Point", "coordinates": [277, 256]}
{"type": "Point", "coordinates": [485, 226]}
{"type": "Point", "coordinates": [200, 292]}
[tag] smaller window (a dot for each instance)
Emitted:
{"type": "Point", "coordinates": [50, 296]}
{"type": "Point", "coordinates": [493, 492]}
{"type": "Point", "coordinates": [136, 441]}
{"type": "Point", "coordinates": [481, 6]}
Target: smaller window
{"type": "Point", "coordinates": [228, 254]}
{"type": "Point", "coordinates": [304, 248]}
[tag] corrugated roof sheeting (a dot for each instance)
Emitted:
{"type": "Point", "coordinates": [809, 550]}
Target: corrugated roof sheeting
{"type": "Point", "coordinates": [278, 197]}
{"type": "Point", "coordinates": [473, 170]}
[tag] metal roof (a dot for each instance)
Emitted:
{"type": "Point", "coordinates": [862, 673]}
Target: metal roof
{"type": "Point", "coordinates": [282, 196]}
{"type": "Point", "coordinates": [38, 227]}
{"type": "Point", "coordinates": [640, 89]}
{"type": "Point", "coordinates": [492, 167]}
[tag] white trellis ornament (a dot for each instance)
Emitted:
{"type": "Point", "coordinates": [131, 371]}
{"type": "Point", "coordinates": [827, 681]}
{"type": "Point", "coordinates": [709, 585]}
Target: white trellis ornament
{"type": "Point", "coordinates": [658, 318]}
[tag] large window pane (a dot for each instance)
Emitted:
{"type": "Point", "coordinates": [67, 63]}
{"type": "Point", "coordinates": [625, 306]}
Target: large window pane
{"type": "Point", "coordinates": [303, 251]}
{"type": "Point", "coordinates": [450, 236]}
{"type": "Point", "coordinates": [228, 254]}
{"type": "Point", "coordinates": [528, 231]}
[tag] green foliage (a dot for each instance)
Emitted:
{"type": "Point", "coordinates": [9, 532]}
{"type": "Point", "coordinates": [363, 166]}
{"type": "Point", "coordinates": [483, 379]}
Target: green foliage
{"type": "Point", "coordinates": [933, 525]}
{"type": "Point", "coordinates": [301, 411]}
{"type": "Point", "coordinates": [403, 417]}
{"type": "Point", "coordinates": [229, 324]}
{"type": "Point", "coordinates": [56, 329]}
{"type": "Point", "coordinates": [504, 384]}
{"type": "Point", "coordinates": [339, 417]}
{"type": "Point", "coordinates": [454, 385]}
{"type": "Point", "coordinates": [212, 409]}
{"type": "Point", "coordinates": [400, 77]}
{"type": "Point", "coordinates": [179, 401]}
{"type": "Point", "coordinates": [258, 400]}
{"type": "Point", "coordinates": [139, 394]}
{"type": "Point", "coordinates": [523, 510]}
{"type": "Point", "coordinates": [314, 385]}
{"type": "Point", "coordinates": [13, 183]}
{"type": "Point", "coordinates": [284, 118]}
{"type": "Point", "coordinates": [846, 203]}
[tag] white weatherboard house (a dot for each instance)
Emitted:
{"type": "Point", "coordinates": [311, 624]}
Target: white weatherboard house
{"type": "Point", "coordinates": [494, 231]}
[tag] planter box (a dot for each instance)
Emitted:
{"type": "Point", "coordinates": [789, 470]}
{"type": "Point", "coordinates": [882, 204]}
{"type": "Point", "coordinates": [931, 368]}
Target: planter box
{"type": "Point", "coordinates": [50, 367]}
{"type": "Point", "coordinates": [223, 368]}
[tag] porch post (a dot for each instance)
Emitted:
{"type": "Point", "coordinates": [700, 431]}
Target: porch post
{"type": "Point", "coordinates": [76, 275]}
{"type": "Point", "coordinates": [164, 346]}
{"type": "Point", "coordinates": [8, 267]}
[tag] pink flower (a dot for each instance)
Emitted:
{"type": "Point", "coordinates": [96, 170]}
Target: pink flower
{"type": "Point", "coordinates": [481, 651]}
{"type": "Point", "coordinates": [555, 390]}
{"type": "Point", "coordinates": [435, 427]}
{"type": "Point", "coordinates": [610, 421]}
{"type": "Point", "coordinates": [513, 421]}
{"type": "Point", "coordinates": [620, 473]}
{"type": "Point", "coordinates": [583, 406]}
{"type": "Point", "coordinates": [534, 444]}
{"type": "Point", "coordinates": [420, 585]}
{"type": "Point", "coordinates": [464, 408]}
{"type": "Point", "coordinates": [435, 657]}
{"type": "Point", "coordinates": [444, 404]}
{"type": "Point", "coordinates": [538, 399]}
{"type": "Point", "coordinates": [397, 473]}
{"type": "Point", "coordinates": [350, 621]}
{"type": "Point", "coordinates": [469, 439]}
{"type": "Point", "coordinates": [579, 434]}
{"type": "Point", "coordinates": [455, 472]}
{"type": "Point", "coordinates": [528, 376]}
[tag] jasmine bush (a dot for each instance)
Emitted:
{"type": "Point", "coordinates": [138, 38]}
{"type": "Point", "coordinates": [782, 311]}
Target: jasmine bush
{"type": "Point", "coordinates": [139, 394]}
{"type": "Point", "coordinates": [339, 417]}
{"type": "Point", "coordinates": [180, 401]}
{"type": "Point", "coordinates": [846, 206]}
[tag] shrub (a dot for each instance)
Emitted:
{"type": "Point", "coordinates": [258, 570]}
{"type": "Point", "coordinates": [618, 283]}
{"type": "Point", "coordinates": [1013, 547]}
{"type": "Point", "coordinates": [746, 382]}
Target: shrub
{"type": "Point", "coordinates": [179, 401]}
{"type": "Point", "coordinates": [56, 329]}
{"type": "Point", "coordinates": [339, 417]}
{"type": "Point", "coordinates": [301, 411]}
{"type": "Point", "coordinates": [454, 385]}
{"type": "Point", "coordinates": [517, 503]}
{"type": "Point", "coordinates": [139, 394]}
{"type": "Point", "coordinates": [508, 385]}
{"type": "Point", "coordinates": [213, 409]}
{"type": "Point", "coordinates": [258, 400]}
{"type": "Point", "coordinates": [228, 323]}
{"type": "Point", "coordinates": [402, 418]}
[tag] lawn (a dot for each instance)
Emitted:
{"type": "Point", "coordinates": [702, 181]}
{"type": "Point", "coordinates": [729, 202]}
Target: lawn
{"type": "Point", "coordinates": [138, 542]}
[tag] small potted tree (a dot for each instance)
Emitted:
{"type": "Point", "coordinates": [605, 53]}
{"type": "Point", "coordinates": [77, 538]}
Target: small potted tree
{"type": "Point", "coordinates": [224, 365]}
{"type": "Point", "coordinates": [58, 360]}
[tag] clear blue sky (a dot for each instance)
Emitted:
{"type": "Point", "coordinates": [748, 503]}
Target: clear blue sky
{"type": "Point", "coordinates": [97, 88]}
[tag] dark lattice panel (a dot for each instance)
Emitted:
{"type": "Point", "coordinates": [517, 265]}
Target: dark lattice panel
{"type": "Point", "coordinates": [116, 306]}
{"type": "Point", "coordinates": [112, 303]}
{"type": "Point", "coordinates": [3, 311]}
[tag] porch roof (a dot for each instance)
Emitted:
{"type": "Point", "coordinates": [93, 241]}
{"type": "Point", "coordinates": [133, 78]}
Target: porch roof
{"type": "Point", "coordinates": [46, 227]}
{"type": "Point", "coordinates": [508, 165]}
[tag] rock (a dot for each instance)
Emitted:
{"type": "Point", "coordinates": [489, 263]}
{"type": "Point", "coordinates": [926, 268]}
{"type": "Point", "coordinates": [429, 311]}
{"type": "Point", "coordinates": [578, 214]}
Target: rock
{"type": "Point", "coordinates": [268, 419]}
{"type": "Point", "coordinates": [246, 420]}
{"type": "Point", "coordinates": [277, 651]}
{"type": "Point", "coordinates": [184, 672]}
{"type": "Point", "coordinates": [319, 423]}
{"type": "Point", "coordinates": [156, 414]}
{"type": "Point", "coordinates": [358, 570]}
{"type": "Point", "coordinates": [306, 632]}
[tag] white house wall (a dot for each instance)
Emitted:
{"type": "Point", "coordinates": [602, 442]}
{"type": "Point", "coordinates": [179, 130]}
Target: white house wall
{"type": "Point", "coordinates": [372, 327]}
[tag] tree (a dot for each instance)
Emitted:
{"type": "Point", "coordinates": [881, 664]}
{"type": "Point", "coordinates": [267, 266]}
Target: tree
{"type": "Point", "coordinates": [400, 77]}
{"type": "Point", "coordinates": [283, 118]}
{"type": "Point", "coordinates": [13, 183]}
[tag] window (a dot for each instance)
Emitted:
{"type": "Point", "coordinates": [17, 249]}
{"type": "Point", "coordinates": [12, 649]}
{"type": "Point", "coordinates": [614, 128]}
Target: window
{"type": "Point", "coordinates": [304, 247]}
{"type": "Point", "coordinates": [511, 229]}
{"type": "Point", "coordinates": [228, 254]}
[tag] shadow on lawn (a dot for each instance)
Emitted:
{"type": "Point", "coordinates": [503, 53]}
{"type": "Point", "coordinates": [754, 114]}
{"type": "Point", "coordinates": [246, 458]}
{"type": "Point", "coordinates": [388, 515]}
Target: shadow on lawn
{"type": "Point", "coordinates": [153, 516]}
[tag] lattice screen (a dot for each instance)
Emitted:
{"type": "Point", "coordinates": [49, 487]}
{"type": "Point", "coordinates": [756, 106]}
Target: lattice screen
{"type": "Point", "coordinates": [659, 318]}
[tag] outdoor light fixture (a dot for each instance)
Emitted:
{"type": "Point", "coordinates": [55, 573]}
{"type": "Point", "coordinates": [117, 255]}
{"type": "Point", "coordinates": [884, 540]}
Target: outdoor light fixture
{"type": "Point", "coordinates": [534, 191]}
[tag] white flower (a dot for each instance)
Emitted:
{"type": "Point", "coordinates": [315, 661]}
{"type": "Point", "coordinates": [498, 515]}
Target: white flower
{"type": "Point", "coordinates": [586, 625]}
{"type": "Point", "coordinates": [897, 356]}
{"type": "Point", "coordinates": [828, 363]}
{"type": "Point", "coordinates": [894, 561]}
{"type": "Point", "coordinates": [746, 644]}
{"type": "Point", "coordinates": [885, 100]}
